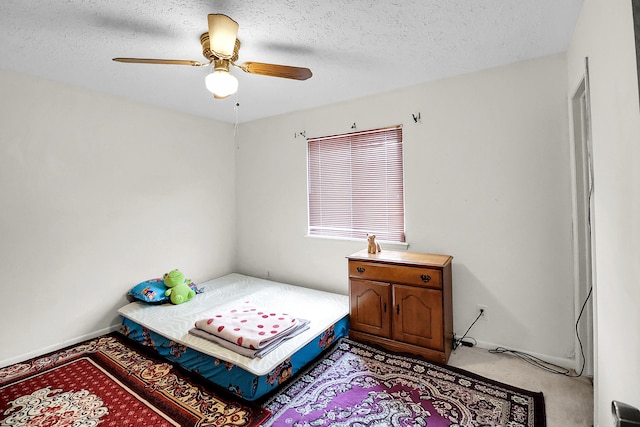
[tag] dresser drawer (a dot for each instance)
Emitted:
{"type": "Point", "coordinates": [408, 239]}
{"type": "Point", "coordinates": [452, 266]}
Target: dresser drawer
{"type": "Point", "coordinates": [418, 276]}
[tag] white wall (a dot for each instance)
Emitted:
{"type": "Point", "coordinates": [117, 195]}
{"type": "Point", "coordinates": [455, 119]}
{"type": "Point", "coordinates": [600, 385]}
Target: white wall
{"type": "Point", "coordinates": [487, 181]}
{"type": "Point", "coordinates": [604, 33]}
{"type": "Point", "coordinates": [105, 193]}
{"type": "Point", "coordinates": [97, 195]}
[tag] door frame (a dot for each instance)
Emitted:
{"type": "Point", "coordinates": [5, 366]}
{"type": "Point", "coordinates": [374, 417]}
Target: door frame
{"type": "Point", "coordinates": [582, 187]}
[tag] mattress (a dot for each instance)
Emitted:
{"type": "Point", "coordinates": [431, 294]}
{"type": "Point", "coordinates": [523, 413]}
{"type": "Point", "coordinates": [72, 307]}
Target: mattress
{"type": "Point", "coordinates": [166, 328]}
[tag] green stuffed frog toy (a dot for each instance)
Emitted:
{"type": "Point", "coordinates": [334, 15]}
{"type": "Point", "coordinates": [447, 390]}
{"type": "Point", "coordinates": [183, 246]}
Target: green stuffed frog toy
{"type": "Point", "coordinates": [179, 290]}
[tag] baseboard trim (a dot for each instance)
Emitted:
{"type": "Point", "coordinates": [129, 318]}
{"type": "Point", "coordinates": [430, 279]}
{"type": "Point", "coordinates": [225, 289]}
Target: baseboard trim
{"type": "Point", "coordinates": [558, 361]}
{"type": "Point", "coordinates": [55, 347]}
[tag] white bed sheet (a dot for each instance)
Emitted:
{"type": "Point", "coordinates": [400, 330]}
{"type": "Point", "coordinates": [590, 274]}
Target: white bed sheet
{"type": "Point", "coordinates": [174, 321]}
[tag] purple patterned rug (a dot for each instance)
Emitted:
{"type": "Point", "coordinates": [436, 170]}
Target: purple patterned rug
{"type": "Point", "coordinates": [358, 385]}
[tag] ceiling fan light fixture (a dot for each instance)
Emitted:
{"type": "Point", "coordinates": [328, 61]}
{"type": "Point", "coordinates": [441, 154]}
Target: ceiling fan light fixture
{"type": "Point", "coordinates": [221, 82]}
{"type": "Point", "coordinates": [220, 47]}
{"type": "Point", "coordinates": [222, 35]}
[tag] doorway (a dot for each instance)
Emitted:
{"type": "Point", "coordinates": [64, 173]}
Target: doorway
{"type": "Point", "coordinates": [583, 227]}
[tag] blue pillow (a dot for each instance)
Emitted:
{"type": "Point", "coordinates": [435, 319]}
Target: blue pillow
{"type": "Point", "coordinates": [151, 291]}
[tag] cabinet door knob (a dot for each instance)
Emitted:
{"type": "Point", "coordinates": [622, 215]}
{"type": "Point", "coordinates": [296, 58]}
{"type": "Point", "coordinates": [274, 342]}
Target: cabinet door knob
{"type": "Point", "coordinates": [384, 307]}
{"type": "Point", "coordinates": [425, 278]}
{"type": "Point", "coordinates": [360, 270]}
{"type": "Point", "coordinates": [398, 309]}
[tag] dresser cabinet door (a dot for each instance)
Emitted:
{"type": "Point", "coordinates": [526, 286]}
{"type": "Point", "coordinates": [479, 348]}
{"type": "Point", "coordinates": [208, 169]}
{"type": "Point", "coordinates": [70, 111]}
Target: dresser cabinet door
{"type": "Point", "coordinates": [418, 316]}
{"type": "Point", "coordinates": [370, 307]}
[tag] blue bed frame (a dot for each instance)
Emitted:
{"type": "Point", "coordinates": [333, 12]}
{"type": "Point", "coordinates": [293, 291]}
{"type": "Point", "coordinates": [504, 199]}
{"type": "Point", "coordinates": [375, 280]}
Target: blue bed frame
{"type": "Point", "coordinates": [227, 375]}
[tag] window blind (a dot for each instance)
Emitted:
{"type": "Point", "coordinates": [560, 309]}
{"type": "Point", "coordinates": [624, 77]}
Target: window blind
{"type": "Point", "coordinates": [356, 186]}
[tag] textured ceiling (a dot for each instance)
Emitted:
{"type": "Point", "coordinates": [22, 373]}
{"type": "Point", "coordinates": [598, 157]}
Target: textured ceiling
{"type": "Point", "coordinates": [354, 48]}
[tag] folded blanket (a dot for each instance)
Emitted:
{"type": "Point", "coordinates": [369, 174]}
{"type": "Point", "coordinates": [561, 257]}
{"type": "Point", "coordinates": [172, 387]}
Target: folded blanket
{"type": "Point", "coordinates": [302, 325]}
{"type": "Point", "coordinates": [247, 325]}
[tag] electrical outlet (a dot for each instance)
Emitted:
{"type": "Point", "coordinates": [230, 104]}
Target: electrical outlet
{"type": "Point", "coordinates": [483, 309]}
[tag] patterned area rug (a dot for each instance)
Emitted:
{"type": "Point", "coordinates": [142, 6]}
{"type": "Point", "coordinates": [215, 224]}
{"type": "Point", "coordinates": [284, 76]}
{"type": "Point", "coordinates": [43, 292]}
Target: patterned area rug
{"type": "Point", "coordinates": [109, 381]}
{"type": "Point", "coordinates": [358, 385]}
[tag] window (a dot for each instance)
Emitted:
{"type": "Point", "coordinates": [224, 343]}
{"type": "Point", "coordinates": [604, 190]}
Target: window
{"type": "Point", "coordinates": [356, 185]}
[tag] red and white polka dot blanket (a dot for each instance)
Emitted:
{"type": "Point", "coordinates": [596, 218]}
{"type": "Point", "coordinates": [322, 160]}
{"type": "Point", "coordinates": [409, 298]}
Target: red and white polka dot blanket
{"type": "Point", "coordinates": [247, 325]}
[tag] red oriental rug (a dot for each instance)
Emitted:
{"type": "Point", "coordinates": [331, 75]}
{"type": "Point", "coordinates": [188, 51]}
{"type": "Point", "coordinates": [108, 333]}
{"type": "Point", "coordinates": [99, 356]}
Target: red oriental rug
{"type": "Point", "coordinates": [357, 385]}
{"type": "Point", "coordinates": [111, 382]}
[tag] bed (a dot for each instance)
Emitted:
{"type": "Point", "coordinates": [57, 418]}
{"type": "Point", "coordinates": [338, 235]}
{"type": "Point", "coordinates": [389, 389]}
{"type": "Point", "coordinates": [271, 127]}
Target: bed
{"type": "Point", "coordinates": [165, 328]}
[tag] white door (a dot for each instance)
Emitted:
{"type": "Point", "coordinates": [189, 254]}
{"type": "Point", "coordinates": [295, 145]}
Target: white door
{"type": "Point", "coordinates": [582, 228]}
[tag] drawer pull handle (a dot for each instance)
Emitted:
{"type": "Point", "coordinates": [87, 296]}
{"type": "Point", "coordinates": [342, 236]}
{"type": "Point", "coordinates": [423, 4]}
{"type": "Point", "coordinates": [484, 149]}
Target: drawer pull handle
{"type": "Point", "coordinates": [398, 309]}
{"type": "Point", "coordinates": [360, 270]}
{"type": "Point", "coordinates": [384, 307]}
{"type": "Point", "coordinates": [425, 278]}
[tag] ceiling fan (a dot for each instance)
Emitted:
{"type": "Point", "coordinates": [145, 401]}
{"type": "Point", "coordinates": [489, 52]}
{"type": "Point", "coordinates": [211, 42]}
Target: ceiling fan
{"type": "Point", "coordinates": [220, 46]}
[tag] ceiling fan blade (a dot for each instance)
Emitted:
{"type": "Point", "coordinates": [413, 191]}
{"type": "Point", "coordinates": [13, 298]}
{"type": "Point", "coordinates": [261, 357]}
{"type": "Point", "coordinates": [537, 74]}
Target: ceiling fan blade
{"type": "Point", "coordinates": [160, 61]}
{"type": "Point", "coordinates": [222, 35]}
{"type": "Point", "coordinates": [274, 70]}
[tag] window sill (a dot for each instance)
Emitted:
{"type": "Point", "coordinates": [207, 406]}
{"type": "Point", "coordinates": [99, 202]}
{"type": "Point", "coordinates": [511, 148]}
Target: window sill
{"type": "Point", "coordinates": [383, 243]}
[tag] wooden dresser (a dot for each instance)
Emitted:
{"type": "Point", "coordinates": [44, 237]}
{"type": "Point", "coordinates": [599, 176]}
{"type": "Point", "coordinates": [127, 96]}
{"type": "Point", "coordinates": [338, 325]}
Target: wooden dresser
{"type": "Point", "coordinates": [402, 302]}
